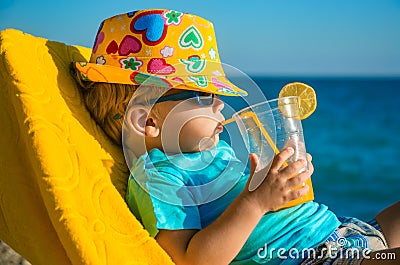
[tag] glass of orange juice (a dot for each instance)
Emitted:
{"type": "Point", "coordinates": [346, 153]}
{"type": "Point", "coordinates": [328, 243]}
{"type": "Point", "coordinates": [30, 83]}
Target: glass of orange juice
{"type": "Point", "coordinates": [269, 127]}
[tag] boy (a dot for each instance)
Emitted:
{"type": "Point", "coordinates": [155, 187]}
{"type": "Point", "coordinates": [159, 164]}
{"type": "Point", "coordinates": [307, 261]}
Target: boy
{"type": "Point", "coordinates": [168, 62]}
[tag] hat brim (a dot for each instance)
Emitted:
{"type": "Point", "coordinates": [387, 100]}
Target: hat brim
{"type": "Point", "coordinates": [216, 84]}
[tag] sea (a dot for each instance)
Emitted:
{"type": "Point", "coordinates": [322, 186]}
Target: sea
{"type": "Point", "coordinates": [354, 139]}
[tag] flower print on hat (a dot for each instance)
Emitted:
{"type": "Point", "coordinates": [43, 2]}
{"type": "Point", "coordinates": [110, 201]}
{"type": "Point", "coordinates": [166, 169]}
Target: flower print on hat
{"type": "Point", "coordinates": [168, 47]}
{"type": "Point", "coordinates": [167, 51]}
{"type": "Point", "coordinates": [131, 63]}
{"type": "Point", "coordinates": [173, 17]}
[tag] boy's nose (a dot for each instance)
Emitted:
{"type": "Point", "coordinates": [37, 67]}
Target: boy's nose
{"type": "Point", "coordinates": [218, 105]}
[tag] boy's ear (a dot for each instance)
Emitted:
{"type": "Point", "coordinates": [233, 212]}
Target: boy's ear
{"type": "Point", "coordinates": [141, 123]}
{"type": "Point", "coordinates": [151, 129]}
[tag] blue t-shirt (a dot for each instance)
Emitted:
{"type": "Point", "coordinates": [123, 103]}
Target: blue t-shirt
{"type": "Point", "coordinates": [190, 191]}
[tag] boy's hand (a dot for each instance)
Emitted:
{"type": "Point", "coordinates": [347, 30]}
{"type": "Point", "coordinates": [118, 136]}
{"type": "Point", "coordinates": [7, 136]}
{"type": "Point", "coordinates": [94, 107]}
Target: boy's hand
{"type": "Point", "coordinates": [277, 187]}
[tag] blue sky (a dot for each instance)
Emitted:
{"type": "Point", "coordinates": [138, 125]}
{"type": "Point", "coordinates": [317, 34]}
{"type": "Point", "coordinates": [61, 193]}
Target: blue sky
{"type": "Point", "coordinates": [262, 37]}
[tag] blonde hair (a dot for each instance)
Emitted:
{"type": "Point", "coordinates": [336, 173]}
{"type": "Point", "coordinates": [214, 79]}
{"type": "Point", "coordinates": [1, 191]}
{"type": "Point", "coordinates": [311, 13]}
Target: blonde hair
{"type": "Point", "coordinates": [107, 104]}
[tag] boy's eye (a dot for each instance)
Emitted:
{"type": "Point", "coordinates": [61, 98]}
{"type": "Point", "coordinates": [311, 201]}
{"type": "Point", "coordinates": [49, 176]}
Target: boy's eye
{"type": "Point", "coordinates": [205, 99]}
{"type": "Point", "coordinates": [204, 94]}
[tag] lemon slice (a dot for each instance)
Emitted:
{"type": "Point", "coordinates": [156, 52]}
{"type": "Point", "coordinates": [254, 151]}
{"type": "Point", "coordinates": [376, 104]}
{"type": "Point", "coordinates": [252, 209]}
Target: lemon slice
{"type": "Point", "coordinates": [306, 94]}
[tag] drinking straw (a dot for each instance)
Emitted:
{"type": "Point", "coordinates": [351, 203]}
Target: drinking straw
{"type": "Point", "coordinates": [225, 122]}
{"type": "Point", "coordinates": [252, 115]}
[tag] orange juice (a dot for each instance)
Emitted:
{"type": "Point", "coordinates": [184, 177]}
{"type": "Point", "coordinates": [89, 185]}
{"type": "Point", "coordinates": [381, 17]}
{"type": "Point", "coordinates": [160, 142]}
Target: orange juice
{"type": "Point", "coordinates": [310, 194]}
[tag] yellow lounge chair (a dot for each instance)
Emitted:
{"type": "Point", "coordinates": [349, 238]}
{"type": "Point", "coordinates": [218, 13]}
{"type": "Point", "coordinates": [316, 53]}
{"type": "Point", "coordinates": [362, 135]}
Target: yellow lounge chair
{"type": "Point", "coordinates": [62, 182]}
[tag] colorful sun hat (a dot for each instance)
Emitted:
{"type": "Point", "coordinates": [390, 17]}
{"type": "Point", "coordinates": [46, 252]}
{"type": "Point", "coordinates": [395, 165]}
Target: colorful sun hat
{"type": "Point", "coordinates": [158, 47]}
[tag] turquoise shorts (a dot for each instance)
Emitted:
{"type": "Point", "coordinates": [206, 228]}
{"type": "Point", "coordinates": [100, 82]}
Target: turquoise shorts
{"type": "Point", "coordinates": [349, 244]}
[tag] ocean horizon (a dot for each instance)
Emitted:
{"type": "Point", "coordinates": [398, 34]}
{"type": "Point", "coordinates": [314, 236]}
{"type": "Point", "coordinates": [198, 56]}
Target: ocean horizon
{"type": "Point", "coordinates": [354, 138]}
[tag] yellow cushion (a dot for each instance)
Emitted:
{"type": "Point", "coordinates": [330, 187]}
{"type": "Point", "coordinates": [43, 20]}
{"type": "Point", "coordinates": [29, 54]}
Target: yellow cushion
{"type": "Point", "coordinates": [62, 180]}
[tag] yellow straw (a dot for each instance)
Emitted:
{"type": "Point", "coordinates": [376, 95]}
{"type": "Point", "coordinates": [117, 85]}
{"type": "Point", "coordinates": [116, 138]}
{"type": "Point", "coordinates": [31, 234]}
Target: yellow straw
{"type": "Point", "coordinates": [225, 122]}
{"type": "Point", "coordinates": [260, 125]}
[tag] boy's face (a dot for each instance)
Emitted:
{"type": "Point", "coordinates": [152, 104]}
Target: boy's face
{"type": "Point", "coordinates": [186, 126]}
